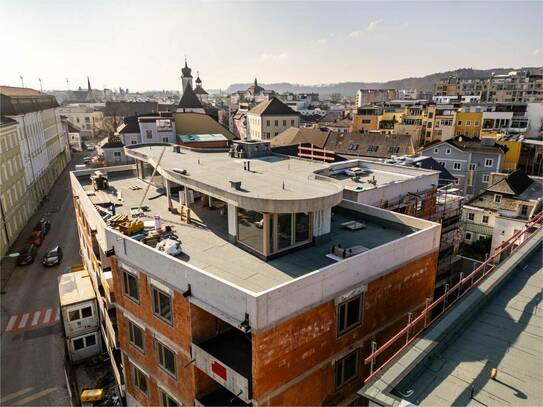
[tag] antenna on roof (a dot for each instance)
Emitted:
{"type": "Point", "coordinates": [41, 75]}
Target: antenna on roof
{"type": "Point", "coordinates": [41, 88]}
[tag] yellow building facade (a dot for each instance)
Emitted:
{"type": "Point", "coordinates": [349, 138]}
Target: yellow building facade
{"type": "Point", "coordinates": [468, 124]}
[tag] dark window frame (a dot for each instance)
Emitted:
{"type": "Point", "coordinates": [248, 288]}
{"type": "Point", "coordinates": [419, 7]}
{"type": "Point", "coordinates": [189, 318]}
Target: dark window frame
{"type": "Point", "coordinates": [126, 289]}
{"type": "Point", "coordinates": [155, 294]}
{"type": "Point", "coordinates": [137, 375]}
{"type": "Point", "coordinates": [342, 314]}
{"type": "Point", "coordinates": [160, 349]}
{"type": "Point", "coordinates": [131, 327]}
{"type": "Point", "coordinates": [340, 364]}
{"type": "Point", "coordinates": [165, 398]}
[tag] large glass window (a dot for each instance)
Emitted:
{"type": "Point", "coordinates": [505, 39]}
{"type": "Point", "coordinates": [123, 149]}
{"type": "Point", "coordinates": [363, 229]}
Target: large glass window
{"type": "Point", "coordinates": [289, 229]}
{"type": "Point", "coordinates": [250, 229]}
{"type": "Point", "coordinates": [301, 227]}
{"type": "Point", "coordinates": [284, 230]}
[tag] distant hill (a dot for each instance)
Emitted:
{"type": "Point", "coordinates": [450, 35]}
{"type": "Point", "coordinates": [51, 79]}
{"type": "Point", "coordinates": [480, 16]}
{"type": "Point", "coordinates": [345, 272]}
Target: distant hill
{"type": "Point", "coordinates": [350, 88]}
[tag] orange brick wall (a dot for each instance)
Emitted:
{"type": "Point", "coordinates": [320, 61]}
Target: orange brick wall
{"type": "Point", "coordinates": [285, 352]}
{"type": "Point", "coordinates": [189, 321]}
{"type": "Point", "coordinates": [293, 362]}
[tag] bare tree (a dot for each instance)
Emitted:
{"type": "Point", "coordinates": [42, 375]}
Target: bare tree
{"type": "Point", "coordinates": [112, 118]}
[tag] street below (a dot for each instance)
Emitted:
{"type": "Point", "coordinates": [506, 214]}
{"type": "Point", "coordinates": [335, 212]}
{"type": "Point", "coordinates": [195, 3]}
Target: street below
{"type": "Point", "coordinates": [32, 340]}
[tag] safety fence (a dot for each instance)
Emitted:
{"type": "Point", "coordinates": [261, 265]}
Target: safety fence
{"type": "Point", "coordinates": [436, 309]}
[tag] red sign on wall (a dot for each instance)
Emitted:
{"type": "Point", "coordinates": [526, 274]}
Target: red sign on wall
{"type": "Point", "coordinates": [218, 369]}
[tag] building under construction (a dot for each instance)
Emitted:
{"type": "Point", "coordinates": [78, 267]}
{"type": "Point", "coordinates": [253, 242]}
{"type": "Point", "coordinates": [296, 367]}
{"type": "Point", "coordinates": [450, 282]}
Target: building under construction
{"type": "Point", "coordinates": [276, 287]}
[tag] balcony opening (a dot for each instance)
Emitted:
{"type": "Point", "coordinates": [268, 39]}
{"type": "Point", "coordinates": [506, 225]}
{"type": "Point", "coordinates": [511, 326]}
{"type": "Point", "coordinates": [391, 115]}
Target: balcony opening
{"type": "Point", "coordinates": [227, 358]}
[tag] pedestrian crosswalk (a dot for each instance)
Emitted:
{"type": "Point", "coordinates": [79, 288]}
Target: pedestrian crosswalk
{"type": "Point", "coordinates": [33, 320]}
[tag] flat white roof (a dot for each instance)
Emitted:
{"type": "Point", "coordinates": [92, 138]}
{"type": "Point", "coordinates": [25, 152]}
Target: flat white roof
{"type": "Point", "coordinates": [75, 287]}
{"type": "Point", "coordinates": [273, 183]}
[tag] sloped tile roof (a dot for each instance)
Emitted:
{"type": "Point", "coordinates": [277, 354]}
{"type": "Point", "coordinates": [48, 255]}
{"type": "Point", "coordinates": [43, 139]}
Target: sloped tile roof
{"type": "Point", "coordinates": [189, 100]}
{"type": "Point", "coordinates": [272, 107]}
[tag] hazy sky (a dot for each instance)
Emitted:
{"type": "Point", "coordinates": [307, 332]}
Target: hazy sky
{"type": "Point", "coordinates": [141, 45]}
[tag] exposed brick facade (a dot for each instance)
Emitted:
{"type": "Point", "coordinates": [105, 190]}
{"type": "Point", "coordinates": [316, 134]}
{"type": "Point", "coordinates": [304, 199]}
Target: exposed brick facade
{"type": "Point", "coordinates": [188, 321]}
{"type": "Point", "coordinates": [285, 352]}
{"type": "Point", "coordinates": [293, 363]}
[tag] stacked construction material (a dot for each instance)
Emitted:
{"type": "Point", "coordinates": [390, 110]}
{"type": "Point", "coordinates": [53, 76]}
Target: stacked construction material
{"type": "Point", "coordinates": [125, 225]}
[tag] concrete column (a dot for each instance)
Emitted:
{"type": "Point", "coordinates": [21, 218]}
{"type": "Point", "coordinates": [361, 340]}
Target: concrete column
{"type": "Point", "coordinates": [232, 223]}
{"type": "Point", "coordinates": [168, 193]}
{"type": "Point", "coordinates": [186, 191]}
{"type": "Point", "coordinates": [266, 232]}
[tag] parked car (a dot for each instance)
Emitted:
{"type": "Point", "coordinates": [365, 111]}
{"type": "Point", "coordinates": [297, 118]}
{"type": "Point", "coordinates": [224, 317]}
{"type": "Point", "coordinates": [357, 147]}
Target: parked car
{"type": "Point", "coordinates": [52, 257]}
{"type": "Point", "coordinates": [27, 255]}
{"type": "Point", "coordinates": [43, 225]}
{"type": "Point", "coordinates": [87, 159]}
{"type": "Point", "coordinates": [36, 237]}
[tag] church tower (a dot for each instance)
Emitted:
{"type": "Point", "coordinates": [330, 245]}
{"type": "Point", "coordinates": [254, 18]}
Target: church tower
{"type": "Point", "coordinates": [186, 76]}
{"type": "Point", "coordinates": [201, 94]}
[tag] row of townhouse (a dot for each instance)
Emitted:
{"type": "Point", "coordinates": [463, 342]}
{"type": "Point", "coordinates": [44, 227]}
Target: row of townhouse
{"type": "Point", "coordinates": [502, 209]}
{"type": "Point", "coordinates": [281, 289]}
{"type": "Point", "coordinates": [515, 86]}
{"type": "Point", "coordinates": [34, 151]}
{"type": "Point", "coordinates": [469, 161]}
{"type": "Point", "coordinates": [428, 122]}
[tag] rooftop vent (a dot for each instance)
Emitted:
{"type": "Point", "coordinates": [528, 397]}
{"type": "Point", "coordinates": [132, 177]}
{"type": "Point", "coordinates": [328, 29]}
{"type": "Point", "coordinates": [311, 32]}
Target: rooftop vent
{"type": "Point", "coordinates": [235, 185]}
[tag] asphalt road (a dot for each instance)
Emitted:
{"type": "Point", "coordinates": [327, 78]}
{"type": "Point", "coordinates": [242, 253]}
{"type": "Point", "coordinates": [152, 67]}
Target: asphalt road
{"type": "Point", "coordinates": [32, 365]}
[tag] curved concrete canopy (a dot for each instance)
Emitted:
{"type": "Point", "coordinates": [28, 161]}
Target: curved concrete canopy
{"type": "Point", "coordinates": [274, 183]}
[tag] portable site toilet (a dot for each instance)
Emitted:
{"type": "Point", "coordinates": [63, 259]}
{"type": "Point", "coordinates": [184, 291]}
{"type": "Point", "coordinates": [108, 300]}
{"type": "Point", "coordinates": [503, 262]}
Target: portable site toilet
{"type": "Point", "coordinates": [80, 315]}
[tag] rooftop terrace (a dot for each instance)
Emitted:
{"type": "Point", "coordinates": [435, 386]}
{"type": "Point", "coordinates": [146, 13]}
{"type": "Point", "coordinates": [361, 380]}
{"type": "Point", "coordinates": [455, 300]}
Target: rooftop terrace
{"type": "Point", "coordinates": [205, 244]}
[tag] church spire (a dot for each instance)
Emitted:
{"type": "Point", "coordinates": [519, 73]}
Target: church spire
{"type": "Point", "coordinates": [256, 83]}
{"type": "Point", "coordinates": [186, 76]}
{"type": "Point", "coordinates": [88, 84]}
{"type": "Point", "coordinates": [186, 71]}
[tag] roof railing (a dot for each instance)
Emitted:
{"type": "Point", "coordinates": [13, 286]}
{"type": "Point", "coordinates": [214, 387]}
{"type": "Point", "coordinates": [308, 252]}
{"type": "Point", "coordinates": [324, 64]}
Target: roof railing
{"type": "Point", "coordinates": [433, 311]}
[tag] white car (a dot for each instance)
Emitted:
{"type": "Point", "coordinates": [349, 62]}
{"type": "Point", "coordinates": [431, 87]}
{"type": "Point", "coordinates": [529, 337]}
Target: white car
{"type": "Point", "coordinates": [169, 246]}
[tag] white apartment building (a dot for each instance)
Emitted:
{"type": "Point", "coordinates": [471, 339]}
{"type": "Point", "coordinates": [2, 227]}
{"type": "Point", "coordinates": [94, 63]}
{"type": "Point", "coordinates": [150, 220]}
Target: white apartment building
{"type": "Point", "coordinates": [269, 118]}
{"type": "Point", "coordinates": [371, 96]}
{"type": "Point", "coordinates": [34, 152]}
{"type": "Point", "coordinates": [147, 129]}
{"type": "Point", "coordinates": [87, 119]}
